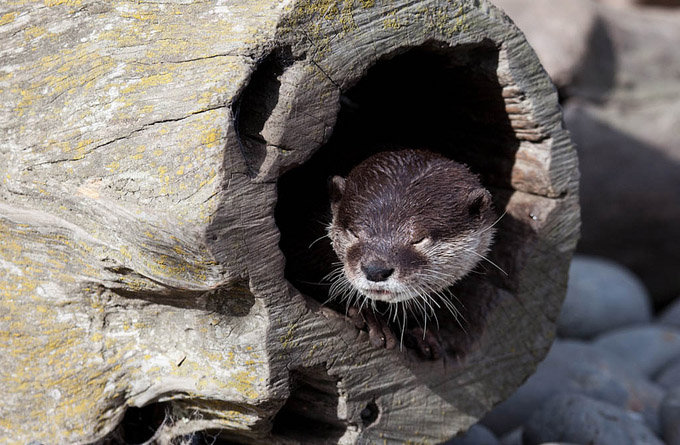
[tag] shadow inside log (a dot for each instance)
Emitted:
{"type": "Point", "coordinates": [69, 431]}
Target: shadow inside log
{"type": "Point", "coordinates": [310, 414]}
{"type": "Point", "coordinates": [256, 104]}
{"type": "Point", "coordinates": [139, 425]}
{"type": "Point", "coordinates": [444, 99]}
{"type": "Point", "coordinates": [233, 299]}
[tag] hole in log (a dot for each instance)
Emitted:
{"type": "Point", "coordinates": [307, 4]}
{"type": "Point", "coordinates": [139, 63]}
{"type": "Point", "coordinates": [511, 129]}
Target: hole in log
{"type": "Point", "coordinates": [370, 414]}
{"type": "Point", "coordinates": [445, 99]}
{"type": "Point", "coordinates": [233, 299]}
{"type": "Point", "coordinates": [310, 415]}
{"type": "Point", "coordinates": [139, 424]}
{"type": "Point", "coordinates": [256, 103]}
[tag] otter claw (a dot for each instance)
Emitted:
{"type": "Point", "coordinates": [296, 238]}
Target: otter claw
{"type": "Point", "coordinates": [379, 332]}
{"type": "Point", "coordinates": [354, 314]}
{"type": "Point", "coordinates": [427, 344]}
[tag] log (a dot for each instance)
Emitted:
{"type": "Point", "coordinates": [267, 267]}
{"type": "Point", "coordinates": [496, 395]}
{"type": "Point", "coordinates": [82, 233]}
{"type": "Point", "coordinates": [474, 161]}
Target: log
{"type": "Point", "coordinates": [163, 162]}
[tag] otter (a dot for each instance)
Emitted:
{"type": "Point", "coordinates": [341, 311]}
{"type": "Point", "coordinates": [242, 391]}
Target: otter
{"type": "Point", "coordinates": [406, 226]}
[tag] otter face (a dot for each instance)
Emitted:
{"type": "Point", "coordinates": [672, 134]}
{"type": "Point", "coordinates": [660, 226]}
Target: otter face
{"type": "Point", "coordinates": [407, 224]}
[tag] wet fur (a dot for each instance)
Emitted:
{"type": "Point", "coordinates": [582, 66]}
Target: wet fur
{"type": "Point", "coordinates": [423, 215]}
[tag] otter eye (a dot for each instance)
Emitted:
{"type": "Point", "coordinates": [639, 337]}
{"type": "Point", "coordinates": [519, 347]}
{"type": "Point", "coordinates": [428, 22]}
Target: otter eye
{"type": "Point", "coordinates": [351, 233]}
{"type": "Point", "coordinates": [421, 240]}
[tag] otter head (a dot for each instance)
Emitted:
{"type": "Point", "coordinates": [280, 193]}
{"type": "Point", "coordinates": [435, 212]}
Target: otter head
{"type": "Point", "coordinates": [407, 224]}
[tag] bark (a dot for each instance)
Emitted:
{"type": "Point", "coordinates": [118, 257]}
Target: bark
{"type": "Point", "coordinates": [153, 157]}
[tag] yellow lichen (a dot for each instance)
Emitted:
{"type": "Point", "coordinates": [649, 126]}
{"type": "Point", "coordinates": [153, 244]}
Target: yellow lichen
{"type": "Point", "coordinates": [33, 32]}
{"type": "Point", "coordinates": [113, 166]}
{"type": "Point", "coordinates": [63, 2]}
{"type": "Point", "coordinates": [287, 339]}
{"type": "Point", "coordinates": [148, 81]}
{"type": "Point", "coordinates": [8, 18]}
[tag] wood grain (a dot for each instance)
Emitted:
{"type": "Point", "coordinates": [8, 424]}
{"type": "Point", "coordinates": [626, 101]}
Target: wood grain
{"type": "Point", "coordinates": [143, 154]}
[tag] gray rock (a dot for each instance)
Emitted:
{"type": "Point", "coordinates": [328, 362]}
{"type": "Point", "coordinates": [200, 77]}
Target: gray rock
{"type": "Point", "coordinates": [644, 42]}
{"type": "Point", "coordinates": [580, 419]}
{"type": "Point", "coordinates": [629, 147]}
{"type": "Point", "coordinates": [666, 3]}
{"type": "Point", "coordinates": [601, 296]}
{"type": "Point", "coordinates": [648, 348]}
{"type": "Point", "coordinates": [669, 414]}
{"type": "Point", "coordinates": [669, 375]}
{"type": "Point", "coordinates": [514, 437]}
{"type": "Point", "coordinates": [561, 45]}
{"type": "Point", "coordinates": [671, 315]}
{"type": "Point", "coordinates": [476, 435]}
{"type": "Point", "coordinates": [577, 367]}
{"type": "Point", "coordinates": [640, 203]}
{"type": "Point", "coordinates": [640, 3]}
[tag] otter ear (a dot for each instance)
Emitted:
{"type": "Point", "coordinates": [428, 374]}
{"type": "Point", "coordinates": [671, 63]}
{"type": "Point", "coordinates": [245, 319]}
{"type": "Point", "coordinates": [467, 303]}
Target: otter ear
{"type": "Point", "coordinates": [479, 200]}
{"type": "Point", "coordinates": [336, 188]}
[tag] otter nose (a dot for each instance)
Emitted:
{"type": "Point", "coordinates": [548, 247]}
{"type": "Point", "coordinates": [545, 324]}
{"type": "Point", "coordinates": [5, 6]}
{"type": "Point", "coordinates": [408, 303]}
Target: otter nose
{"type": "Point", "coordinates": [376, 271]}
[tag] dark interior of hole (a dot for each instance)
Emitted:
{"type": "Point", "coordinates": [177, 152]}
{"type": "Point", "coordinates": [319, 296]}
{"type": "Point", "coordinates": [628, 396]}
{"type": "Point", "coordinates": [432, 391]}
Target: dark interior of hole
{"type": "Point", "coordinates": [370, 413]}
{"type": "Point", "coordinates": [443, 99]}
{"type": "Point", "coordinates": [233, 299]}
{"type": "Point", "coordinates": [138, 425]}
{"type": "Point", "coordinates": [311, 412]}
{"type": "Point", "coordinates": [256, 103]}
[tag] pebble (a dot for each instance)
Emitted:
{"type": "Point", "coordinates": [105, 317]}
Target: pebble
{"type": "Point", "coordinates": [628, 144]}
{"type": "Point", "coordinates": [669, 375]}
{"type": "Point", "coordinates": [576, 367]}
{"type": "Point", "coordinates": [576, 418]}
{"type": "Point", "coordinates": [601, 296]}
{"type": "Point", "coordinates": [671, 315]}
{"type": "Point", "coordinates": [670, 416]}
{"type": "Point", "coordinates": [648, 348]}
{"type": "Point", "coordinates": [477, 434]}
{"type": "Point", "coordinates": [514, 437]}
{"type": "Point", "coordinates": [561, 45]}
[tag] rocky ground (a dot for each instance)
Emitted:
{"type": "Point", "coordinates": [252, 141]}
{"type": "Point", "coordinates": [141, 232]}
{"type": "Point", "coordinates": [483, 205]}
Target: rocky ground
{"type": "Point", "coordinates": [613, 375]}
{"type": "Point", "coordinates": [616, 64]}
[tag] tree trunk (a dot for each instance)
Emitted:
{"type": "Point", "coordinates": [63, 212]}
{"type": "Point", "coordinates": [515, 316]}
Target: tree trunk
{"type": "Point", "coordinates": [164, 170]}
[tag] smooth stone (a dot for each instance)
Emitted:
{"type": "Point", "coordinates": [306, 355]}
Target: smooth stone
{"type": "Point", "coordinates": [671, 315]}
{"type": "Point", "coordinates": [514, 437]}
{"type": "Point", "coordinates": [644, 42]}
{"type": "Point", "coordinates": [649, 348]}
{"type": "Point", "coordinates": [641, 3]}
{"type": "Point", "coordinates": [577, 418]}
{"type": "Point", "coordinates": [601, 296]}
{"type": "Point", "coordinates": [631, 129]}
{"type": "Point", "coordinates": [476, 435]}
{"type": "Point", "coordinates": [666, 3]}
{"type": "Point", "coordinates": [577, 367]}
{"type": "Point", "coordinates": [669, 414]}
{"type": "Point", "coordinates": [561, 45]}
{"type": "Point", "coordinates": [669, 376]}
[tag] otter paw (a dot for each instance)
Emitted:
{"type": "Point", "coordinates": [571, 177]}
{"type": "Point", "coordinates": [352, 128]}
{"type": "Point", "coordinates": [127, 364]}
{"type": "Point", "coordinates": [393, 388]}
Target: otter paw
{"type": "Point", "coordinates": [379, 331]}
{"type": "Point", "coordinates": [426, 343]}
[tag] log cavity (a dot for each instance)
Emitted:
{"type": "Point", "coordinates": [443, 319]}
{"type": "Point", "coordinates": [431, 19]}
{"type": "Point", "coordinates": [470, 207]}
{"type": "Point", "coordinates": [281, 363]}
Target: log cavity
{"type": "Point", "coordinates": [445, 99]}
{"type": "Point", "coordinates": [256, 105]}
{"type": "Point", "coordinates": [310, 415]}
{"type": "Point", "coordinates": [139, 425]}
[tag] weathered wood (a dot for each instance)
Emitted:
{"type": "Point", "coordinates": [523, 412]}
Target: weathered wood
{"type": "Point", "coordinates": [141, 149]}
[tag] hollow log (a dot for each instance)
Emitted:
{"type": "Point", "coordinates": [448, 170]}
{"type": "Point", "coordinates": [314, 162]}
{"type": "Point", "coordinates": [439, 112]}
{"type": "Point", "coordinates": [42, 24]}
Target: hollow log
{"type": "Point", "coordinates": [164, 169]}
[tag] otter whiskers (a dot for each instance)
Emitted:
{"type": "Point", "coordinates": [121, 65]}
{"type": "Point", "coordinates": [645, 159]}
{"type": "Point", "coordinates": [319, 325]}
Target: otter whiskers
{"type": "Point", "coordinates": [407, 225]}
{"type": "Point", "coordinates": [422, 300]}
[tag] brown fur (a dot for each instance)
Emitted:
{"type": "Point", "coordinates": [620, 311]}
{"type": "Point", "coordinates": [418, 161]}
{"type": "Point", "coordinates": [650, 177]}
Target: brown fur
{"type": "Point", "coordinates": [407, 224]}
